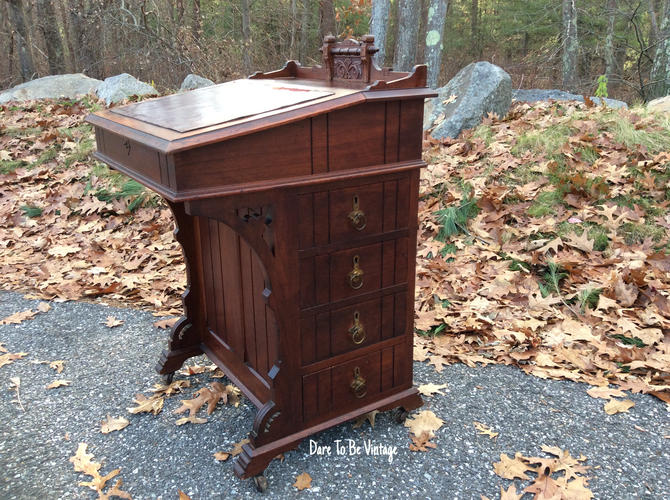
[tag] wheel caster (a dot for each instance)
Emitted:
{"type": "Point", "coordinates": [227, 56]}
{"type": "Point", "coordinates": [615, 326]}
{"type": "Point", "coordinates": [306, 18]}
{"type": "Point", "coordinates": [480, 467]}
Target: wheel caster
{"type": "Point", "coordinates": [401, 416]}
{"type": "Point", "coordinates": [261, 483]}
{"type": "Point", "coordinates": [168, 378]}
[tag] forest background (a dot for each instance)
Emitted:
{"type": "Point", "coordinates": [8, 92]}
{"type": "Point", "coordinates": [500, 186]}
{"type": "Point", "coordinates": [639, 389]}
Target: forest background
{"type": "Point", "coordinates": [568, 44]}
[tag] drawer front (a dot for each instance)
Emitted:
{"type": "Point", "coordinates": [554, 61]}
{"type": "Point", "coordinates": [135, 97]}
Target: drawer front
{"type": "Point", "coordinates": [356, 382]}
{"type": "Point", "coordinates": [352, 272]}
{"type": "Point", "coordinates": [146, 162]}
{"type": "Point", "coordinates": [345, 329]}
{"type": "Point", "coordinates": [336, 215]}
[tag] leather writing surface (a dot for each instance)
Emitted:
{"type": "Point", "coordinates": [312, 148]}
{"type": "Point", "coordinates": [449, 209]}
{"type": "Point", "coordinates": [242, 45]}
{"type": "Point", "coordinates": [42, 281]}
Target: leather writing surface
{"type": "Point", "coordinates": [219, 103]}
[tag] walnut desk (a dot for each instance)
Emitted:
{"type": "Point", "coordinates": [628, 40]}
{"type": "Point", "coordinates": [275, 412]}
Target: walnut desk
{"type": "Point", "coordinates": [295, 199]}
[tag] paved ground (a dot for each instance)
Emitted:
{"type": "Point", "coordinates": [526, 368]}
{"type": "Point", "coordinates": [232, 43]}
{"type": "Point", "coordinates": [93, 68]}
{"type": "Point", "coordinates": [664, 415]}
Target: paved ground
{"type": "Point", "coordinates": [108, 366]}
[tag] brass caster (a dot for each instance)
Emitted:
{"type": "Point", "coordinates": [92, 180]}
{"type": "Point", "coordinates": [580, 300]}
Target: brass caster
{"type": "Point", "coordinates": [261, 483]}
{"type": "Point", "coordinates": [168, 378]}
{"type": "Point", "coordinates": [401, 416]}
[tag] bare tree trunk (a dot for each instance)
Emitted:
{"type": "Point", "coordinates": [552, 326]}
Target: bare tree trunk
{"type": "Point", "coordinates": [653, 27]}
{"type": "Point", "coordinates": [437, 14]}
{"type": "Point", "coordinates": [48, 25]}
{"type": "Point", "coordinates": [304, 30]}
{"type": "Point", "coordinates": [21, 37]}
{"type": "Point", "coordinates": [196, 20]}
{"type": "Point", "coordinates": [610, 60]}
{"type": "Point", "coordinates": [474, 29]}
{"type": "Point", "coordinates": [246, 37]}
{"type": "Point", "coordinates": [408, 31]}
{"type": "Point", "coordinates": [570, 45]}
{"type": "Point", "coordinates": [327, 18]}
{"type": "Point", "coordinates": [294, 29]}
{"type": "Point", "coordinates": [180, 12]}
{"type": "Point", "coordinates": [379, 20]}
{"type": "Point", "coordinates": [660, 72]}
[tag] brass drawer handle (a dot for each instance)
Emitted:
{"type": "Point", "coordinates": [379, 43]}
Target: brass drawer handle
{"type": "Point", "coordinates": [357, 216]}
{"type": "Point", "coordinates": [358, 384]}
{"type": "Point", "coordinates": [355, 276]}
{"type": "Point", "coordinates": [357, 331]}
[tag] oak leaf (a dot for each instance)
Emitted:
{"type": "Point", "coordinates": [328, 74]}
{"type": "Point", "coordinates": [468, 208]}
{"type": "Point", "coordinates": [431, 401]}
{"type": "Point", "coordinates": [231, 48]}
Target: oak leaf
{"type": "Point", "coordinates": [370, 417]}
{"type": "Point", "coordinates": [18, 317]}
{"type": "Point", "coordinates": [221, 456]}
{"type": "Point", "coordinates": [112, 424]}
{"type": "Point", "coordinates": [303, 481]}
{"type": "Point", "coordinates": [422, 442]}
{"type": "Point", "coordinates": [154, 404]}
{"type": "Point", "coordinates": [111, 322]}
{"type": "Point", "coordinates": [618, 406]}
{"type": "Point", "coordinates": [426, 421]}
{"type": "Point", "coordinates": [57, 365]}
{"type": "Point", "coordinates": [605, 393]}
{"type": "Point", "coordinates": [485, 430]}
{"type": "Point", "coordinates": [59, 383]}
{"type": "Point", "coordinates": [512, 468]}
{"type": "Point", "coordinates": [510, 493]}
{"type": "Point", "coordinates": [237, 447]}
{"type": "Point", "coordinates": [431, 389]}
{"type": "Point", "coordinates": [63, 250]}
{"type": "Point", "coordinates": [10, 357]}
{"type": "Point", "coordinates": [166, 323]}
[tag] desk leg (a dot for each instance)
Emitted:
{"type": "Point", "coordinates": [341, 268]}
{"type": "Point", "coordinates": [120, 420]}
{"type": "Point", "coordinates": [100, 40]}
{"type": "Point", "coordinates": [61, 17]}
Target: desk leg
{"type": "Point", "coordinates": [185, 337]}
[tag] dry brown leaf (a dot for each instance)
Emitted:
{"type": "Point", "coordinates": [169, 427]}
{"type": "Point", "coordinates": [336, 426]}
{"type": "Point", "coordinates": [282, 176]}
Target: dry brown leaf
{"type": "Point", "coordinates": [510, 493]}
{"type": "Point", "coordinates": [237, 447]}
{"type": "Point", "coordinates": [59, 383]}
{"type": "Point", "coordinates": [10, 357]}
{"type": "Point", "coordinates": [112, 424]}
{"type": "Point", "coordinates": [154, 404]}
{"type": "Point", "coordinates": [303, 481]}
{"type": "Point", "coordinates": [191, 419]}
{"type": "Point", "coordinates": [183, 496]}
{"type": "Point", "coordinates": [605, 393]}
{"type": "Point", "coordinates": [221, 456]}
{"type": "Point", "coordinates": [618, 406]}
{"type": "Point", "coordinates": [431, 389]}
{"type": "Point", "coordinates": [166, 324]}
{"type": "Point", "coordinates": [57, 365]}
{"type": "Point", "coordinates": [43, 307]}
{"type": "Point", "coordinates": [485, 430]}
{"type": "Point", "coordinates": [111, 322]}
{"type": "Point", "coordinates": [422, 442]}
{"type": "Point", "coordinates": [426, 421]}
{"type": "Point", "coordinates": [83, 462]}
{"type": "Point", "coordinates": [512, 468]}
{"type": "Point", "coordinates": [370, 417]}
{"type": "Point", "coordinates": [18, 317]}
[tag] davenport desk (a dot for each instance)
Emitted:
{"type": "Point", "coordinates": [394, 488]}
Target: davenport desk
{"type": "Point", "coordinates": [295, 199]}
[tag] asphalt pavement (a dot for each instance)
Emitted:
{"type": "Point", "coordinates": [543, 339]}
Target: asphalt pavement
{"type": "Point", "coordinates": [627, 452]}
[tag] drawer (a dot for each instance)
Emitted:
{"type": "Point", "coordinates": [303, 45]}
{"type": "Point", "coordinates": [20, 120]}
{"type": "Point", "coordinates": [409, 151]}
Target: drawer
{"type": "Point", "coordinates": [352, 272]}
{"type": "Point", "coordinates": [335, 215]}
{"type": "Point", "coordinates": [330, 333]}
{"type": "Point", "coordinates": [355, 382]}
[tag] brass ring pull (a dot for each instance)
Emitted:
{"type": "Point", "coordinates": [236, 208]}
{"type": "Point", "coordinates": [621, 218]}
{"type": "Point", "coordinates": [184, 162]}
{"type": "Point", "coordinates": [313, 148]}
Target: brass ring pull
{"type": "Point", "coordinates": [358, 384]}
{"type": "Point", "coordinates": [357, 331]}
{"type": "Point", "coordinates": [355, 276]}
{"type": "Point", "coordinates": [357, 216]}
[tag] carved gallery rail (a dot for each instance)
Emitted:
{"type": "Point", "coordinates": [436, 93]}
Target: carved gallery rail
{"type": "Point", "coordinates": [295, 199]}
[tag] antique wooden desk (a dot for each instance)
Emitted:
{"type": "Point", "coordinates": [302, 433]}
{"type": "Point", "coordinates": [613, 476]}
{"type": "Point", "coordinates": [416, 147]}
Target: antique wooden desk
{"type": "Point", "coordinates": [295, 199]}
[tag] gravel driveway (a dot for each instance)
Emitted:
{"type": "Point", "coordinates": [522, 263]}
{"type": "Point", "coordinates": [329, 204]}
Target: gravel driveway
{"type": "Point", "coordinates": [628, 454]}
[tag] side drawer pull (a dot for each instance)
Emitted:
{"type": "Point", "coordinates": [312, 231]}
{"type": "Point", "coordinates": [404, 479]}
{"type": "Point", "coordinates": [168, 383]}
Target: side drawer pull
{"type": "Point", "coordinates": [357, 216]}
{"type": "Point", "coordinates": [357, 331]}
{"type": "Point", "coordinates": [358, 384]}
{"type": "Point", "coordinates": [355, 276]}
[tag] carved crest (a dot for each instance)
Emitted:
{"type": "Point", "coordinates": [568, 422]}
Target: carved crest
{"type": "Point", "coordinates": [349, 59]}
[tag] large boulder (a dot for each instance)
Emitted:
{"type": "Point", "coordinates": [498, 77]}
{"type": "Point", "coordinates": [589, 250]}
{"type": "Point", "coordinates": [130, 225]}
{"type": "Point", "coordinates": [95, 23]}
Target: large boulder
{"type": "Point", "coordinates": [478, 89]}
{"type": "Point", "coordinates": [51, 87]}
{"type": "Point", "coordinates": [662, 104]}
{"type": "Point", "coordinates": [192, 82]}
{"type": "Point", "coordinates": [534, 95]}
{"type": "Point", "coordinates": [120, 87]}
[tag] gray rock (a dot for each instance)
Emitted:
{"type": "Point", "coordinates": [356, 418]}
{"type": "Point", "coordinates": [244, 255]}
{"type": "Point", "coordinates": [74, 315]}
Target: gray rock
{"type": "Point", "coordinates": [480, 88]}
{"type": "Point", "coordinates": [120, 87]}
{"type": "Point", "coordinates": [192, 82]}
{"type": "Point", "coordinates": [661, 105]}
{"type": "Point", "coordinates": [534, 95]}
{"type": "Point", "coordinates": [50, 87]}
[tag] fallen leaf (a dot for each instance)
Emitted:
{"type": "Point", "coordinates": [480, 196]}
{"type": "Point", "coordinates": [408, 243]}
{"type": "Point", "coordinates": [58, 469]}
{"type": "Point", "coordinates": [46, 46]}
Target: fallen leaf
{"type": "Point", "coordinates": [111, 322]}
{"type": "Point", "coordinates": [422, 442]}
{"type": "Point", "coordinates": [154, 404]}
{"type": "Point", "coordinates": [512, 468]}
{"type": "Point", "coordinates": [113, 424]}
{"type": "Point", "coordinates": [370, 417]}
{"type": "Point", "coordinates": [183, 496]}
{"type": "Point", "coordinates": [605, 393]}
{"type": "Point", "coordinates": [485, 430]}
{"type": "Point", "coordinates": [191, 419]}
{"type": "Point", "coordinates": [430, 389]}
{"type": "Point", "coordinates": [18, 317]}
{"type": "Point", "coordinates": [63, 250]}
{"type": "Point", "coordinates": [43, 307]}
{"type": "Point", "coordinates": [510, 493]}
{"type": "Point", "coordinates": [10, 357]}
{"type": "Point", "coordinates": [303, 481]}
{"type": "Point", "coordinates": [57, 365]}
{"type": "Point", "coordinates": [58, 383]}
{"type": "Point", "coordinates": [618, 406]}
{"type": "Point", "coordinates": [426, 421]}
{"type": "Point", "coordinates": [237, 447]}
{"type": "Point", "coordinates": [221, 456]}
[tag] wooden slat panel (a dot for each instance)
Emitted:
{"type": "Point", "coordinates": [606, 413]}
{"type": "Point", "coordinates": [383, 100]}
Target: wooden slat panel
{"type": "Point", "coordinates": [411, 129]}
{"type": "Point", "coordinates": [365, 147]}
{"type": "Point", "coordinates": [307, 282]}
{"type": "Point", "coordinates": [248, 303]}
{"type": "Point", "coordinates": [306, 220]}
{"type": "Point", "coordinates": [391, 132]}
{"type": "Point", "coordinates": [400, 316]}
{"type": "Point", "coordinates": [322, 336]}
{"type": "Point", "coordinates": [273, 338]}
{"type": "Point", "coordinates": [320, 144]}
{"type": "Point", "coordinates": [207, 273]}
{"type": "Point", "coordinates": [260, 321]}
{"type": "Point", "coordinates": [388, 316]}
{"type": "Point", "coordinates": [321, 219]}
{"type": "Point", "coordinates": [387, 368]}
{"type": "Point", "coordinates": [402, 365]}
{"type": "Point", "coordinates": [310, 395]}
{"type": "Point", "coordinates": [308, 337]}
{"type": "Point", "coordinates": [401, 261]}
{"type": "Point", "coordinates": [390, 202]}
{"type": "Point", "coordinates": [220, 322]}
{"type": "Point", "coordinates": [388, 263]}
{"type": "Point", "coordinates": [403, 203]}
{"type": "Point", "coordinates": [325, 396]}
{"type": "Point", "coordinates": [322, 278]}
{"type": "Point", "coordinates": [232, 283]}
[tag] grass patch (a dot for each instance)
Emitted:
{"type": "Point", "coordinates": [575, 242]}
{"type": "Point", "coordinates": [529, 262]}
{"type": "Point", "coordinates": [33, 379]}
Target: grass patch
{"type": "Point", "coordinates": [596, 232]}
{"type": "Point", "coordinates": [9, 166]}
{"type": "Point", "coordinates": [636, 233]}
{"type": "Point", "coordinates": [485, 133]}
{"type": "Point", "coordinates": [545, 203]}
{"type": "Point", "coordinates": [544, 141]}
{"type": "Point", "coordinates": [31, 210]}
{"type": "Point", "coordinates": [454, 219]}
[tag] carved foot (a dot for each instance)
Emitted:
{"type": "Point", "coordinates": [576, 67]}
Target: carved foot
{"type": "Point", "coordinates": [401, 415]}
{"type": "Point", "coordinates": [261, 483]}
{"type": "Point", "coordinates": [171, 361]}
{"type": "Point", "coordinates": [184, 343]}
{"type": "Point", "coordinates": [168, 378]}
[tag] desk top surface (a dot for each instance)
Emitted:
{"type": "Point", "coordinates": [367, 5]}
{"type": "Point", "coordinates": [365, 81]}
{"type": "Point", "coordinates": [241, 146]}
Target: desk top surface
{"type": "Point", "coordinates": [222, 103]}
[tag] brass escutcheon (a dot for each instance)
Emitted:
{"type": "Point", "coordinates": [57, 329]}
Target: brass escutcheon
{"type": "Point", "coordinates": [358, 384]}
{"type": "Point", "coordinates": [355, 276]}
{"type": "Point", "coordinates": [357, 331]}
{"type": "Point", "coordinates": [357, 216]}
